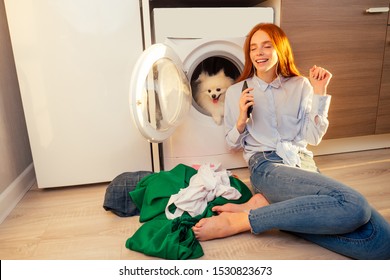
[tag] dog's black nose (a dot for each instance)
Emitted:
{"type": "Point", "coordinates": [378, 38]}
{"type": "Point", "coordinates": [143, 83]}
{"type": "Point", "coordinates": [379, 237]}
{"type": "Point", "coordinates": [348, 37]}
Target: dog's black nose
{"type": "Point", "coordinates": [213, 96]}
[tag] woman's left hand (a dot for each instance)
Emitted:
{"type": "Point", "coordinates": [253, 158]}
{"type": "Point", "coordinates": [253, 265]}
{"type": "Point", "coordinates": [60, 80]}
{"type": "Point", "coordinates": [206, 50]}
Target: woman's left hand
{"type": "Point", "coordinates": [319, 78]}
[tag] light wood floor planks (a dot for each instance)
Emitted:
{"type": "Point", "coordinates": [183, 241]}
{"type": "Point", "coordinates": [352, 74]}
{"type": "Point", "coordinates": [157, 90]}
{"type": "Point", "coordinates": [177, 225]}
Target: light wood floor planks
{"type": "Point", "coordinates": [70, 223]}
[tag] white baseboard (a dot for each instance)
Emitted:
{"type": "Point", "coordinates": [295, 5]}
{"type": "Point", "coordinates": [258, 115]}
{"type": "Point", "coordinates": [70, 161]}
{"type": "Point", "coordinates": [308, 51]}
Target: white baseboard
{"type": "Point", "coordinates": [15, 191]}
{"type": "Point", "coordinates": [352, 144]}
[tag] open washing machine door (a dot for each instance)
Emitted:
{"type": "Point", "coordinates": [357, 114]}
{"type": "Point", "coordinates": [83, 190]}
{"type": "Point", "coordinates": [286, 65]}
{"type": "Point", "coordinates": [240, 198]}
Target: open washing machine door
{"type": "Point", "coordinates": [160, 93]}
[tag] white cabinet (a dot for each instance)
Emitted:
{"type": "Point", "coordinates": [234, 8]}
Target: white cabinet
{"type": "Point", "coordinates": [74, 60]}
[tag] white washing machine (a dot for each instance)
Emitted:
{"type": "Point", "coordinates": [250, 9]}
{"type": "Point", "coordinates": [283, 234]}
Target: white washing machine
{"type": "Point", "coordinates": [186, 41]}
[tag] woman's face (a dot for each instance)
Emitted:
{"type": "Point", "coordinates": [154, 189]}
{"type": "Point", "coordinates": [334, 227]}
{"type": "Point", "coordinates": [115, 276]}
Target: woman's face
{"type": "Point", "coordinates": [263, 55]}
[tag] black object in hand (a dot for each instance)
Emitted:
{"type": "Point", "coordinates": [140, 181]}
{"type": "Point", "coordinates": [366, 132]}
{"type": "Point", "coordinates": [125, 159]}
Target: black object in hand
{"type": "Point", "coordinates": [250, 109]}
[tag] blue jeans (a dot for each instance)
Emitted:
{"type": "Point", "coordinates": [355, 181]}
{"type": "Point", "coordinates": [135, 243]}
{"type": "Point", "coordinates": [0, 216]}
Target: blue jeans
{"type": "Point", "coordinates": [317, 208]}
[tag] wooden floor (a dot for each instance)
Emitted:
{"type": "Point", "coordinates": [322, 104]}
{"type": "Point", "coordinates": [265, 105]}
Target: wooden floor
{"type": "Point", "coordinates": [70, 223]}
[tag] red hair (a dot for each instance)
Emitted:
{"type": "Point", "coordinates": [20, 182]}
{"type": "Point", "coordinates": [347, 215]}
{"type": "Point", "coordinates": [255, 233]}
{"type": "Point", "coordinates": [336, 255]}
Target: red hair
{"type": "Point", "coordinates": [286, 65]}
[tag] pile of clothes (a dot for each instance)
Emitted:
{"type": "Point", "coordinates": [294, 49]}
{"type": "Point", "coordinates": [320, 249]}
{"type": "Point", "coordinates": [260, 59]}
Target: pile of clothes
{"type": "Point", "coordinates": [170, 203]}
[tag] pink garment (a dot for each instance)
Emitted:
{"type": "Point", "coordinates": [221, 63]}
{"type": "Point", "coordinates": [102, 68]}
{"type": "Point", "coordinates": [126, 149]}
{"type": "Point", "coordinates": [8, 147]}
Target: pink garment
{"type": "Point", "coordinates": [204, 187]}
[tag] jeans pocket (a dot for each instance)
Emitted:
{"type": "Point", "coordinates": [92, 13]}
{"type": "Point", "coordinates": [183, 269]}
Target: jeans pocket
{"type": "Point", "coordinates": [254, 161]}
{"type": "Point", "coordinates": [259, 158]}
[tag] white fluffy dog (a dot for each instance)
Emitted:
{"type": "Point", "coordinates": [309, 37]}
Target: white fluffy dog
{"type": "Point", "coordinates": [210, 93]}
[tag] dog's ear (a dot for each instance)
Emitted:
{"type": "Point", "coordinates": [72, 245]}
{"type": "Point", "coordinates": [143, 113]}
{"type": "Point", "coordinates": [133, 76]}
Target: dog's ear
{"type": "Point", "coordinates": [202, 77]}
{"type": "Point", "coordinates": [221, 72]}
{"type": "Point", "coordinates": [227, 80]}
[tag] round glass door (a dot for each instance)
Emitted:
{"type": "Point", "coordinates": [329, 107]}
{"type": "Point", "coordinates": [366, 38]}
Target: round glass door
{"type": "Point", "coordinates": [160, 93]}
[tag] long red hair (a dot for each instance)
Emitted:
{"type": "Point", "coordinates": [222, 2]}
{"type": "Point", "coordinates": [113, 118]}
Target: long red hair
{"type": "Point", "coordinates": [286, 65]}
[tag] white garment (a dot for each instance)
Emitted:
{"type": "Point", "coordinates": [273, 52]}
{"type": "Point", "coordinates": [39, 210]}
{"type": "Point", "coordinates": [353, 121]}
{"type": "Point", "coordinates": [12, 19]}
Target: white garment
{"type": "Point", "coordinates": [289, 153]}
{"type": "Point", "coordinates": [204, 187]}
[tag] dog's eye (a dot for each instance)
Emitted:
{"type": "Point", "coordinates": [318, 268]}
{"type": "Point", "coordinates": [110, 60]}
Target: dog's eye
{"type": "Point", "coordinates": [209, 90]}
{"type": "Point", "coordinates": [218, 89]}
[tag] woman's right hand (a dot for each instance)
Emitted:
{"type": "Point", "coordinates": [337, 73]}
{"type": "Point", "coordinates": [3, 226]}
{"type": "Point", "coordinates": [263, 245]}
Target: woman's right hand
{"type": "Point", "coordinates": [246, 100]}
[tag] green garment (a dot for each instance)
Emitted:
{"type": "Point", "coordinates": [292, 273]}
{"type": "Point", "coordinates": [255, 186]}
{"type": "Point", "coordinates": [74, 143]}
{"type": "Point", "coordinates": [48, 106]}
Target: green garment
{"type": "Point", "coordinates": [164, 238]}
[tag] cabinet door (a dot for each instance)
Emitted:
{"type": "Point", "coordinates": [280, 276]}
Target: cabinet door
{"type": "Point", "coordinates": [342, 37]}
{"type": "Point", "coordinates": [383, 120]}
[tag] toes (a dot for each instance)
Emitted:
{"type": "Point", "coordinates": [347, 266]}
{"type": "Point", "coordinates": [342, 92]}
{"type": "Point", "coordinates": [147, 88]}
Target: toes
{"type": "Point", "coordinates": [218, 209]}
{"type": "Point", "coordinates": [200, 223]}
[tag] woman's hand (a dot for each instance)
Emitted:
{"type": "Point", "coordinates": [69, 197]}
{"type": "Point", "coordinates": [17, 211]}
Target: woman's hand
{"type": "Point", "coordinates": [246, 100]}
{"type": "Point", "coordinates": [319, 78]}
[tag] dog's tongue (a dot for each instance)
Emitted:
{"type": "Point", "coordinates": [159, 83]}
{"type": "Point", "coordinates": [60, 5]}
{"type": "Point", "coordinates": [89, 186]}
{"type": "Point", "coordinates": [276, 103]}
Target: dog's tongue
{"type": "Point", "coordinates": [215, 100]}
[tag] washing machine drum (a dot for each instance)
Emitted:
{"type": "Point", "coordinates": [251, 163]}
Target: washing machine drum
{"type": "Point", "coordinates": [160, 93]}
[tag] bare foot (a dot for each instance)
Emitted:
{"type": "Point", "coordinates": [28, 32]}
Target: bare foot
{"type": "Point", "coordinates": [223, 225]}
{"type": "Point", "coordinates": [256, 201]}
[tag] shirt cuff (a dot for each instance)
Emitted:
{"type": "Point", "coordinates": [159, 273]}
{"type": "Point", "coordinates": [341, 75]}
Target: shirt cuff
{"type": "Point", "coordinates": [320, 104]}
{"type": "Point", "coordinates": [234, 135]}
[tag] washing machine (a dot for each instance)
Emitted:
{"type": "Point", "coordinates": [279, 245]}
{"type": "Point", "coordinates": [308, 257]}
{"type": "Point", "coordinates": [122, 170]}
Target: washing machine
{"type": "Point", "coordinates": [187, 42]}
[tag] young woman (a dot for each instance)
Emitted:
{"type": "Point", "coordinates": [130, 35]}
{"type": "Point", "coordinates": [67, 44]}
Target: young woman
{"type": "Point", "coordinates": [289, 112]}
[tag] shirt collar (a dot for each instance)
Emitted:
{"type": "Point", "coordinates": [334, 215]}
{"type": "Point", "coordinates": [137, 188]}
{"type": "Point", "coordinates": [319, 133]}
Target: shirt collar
{"type": "Point", "coordinates": [263, 85]}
